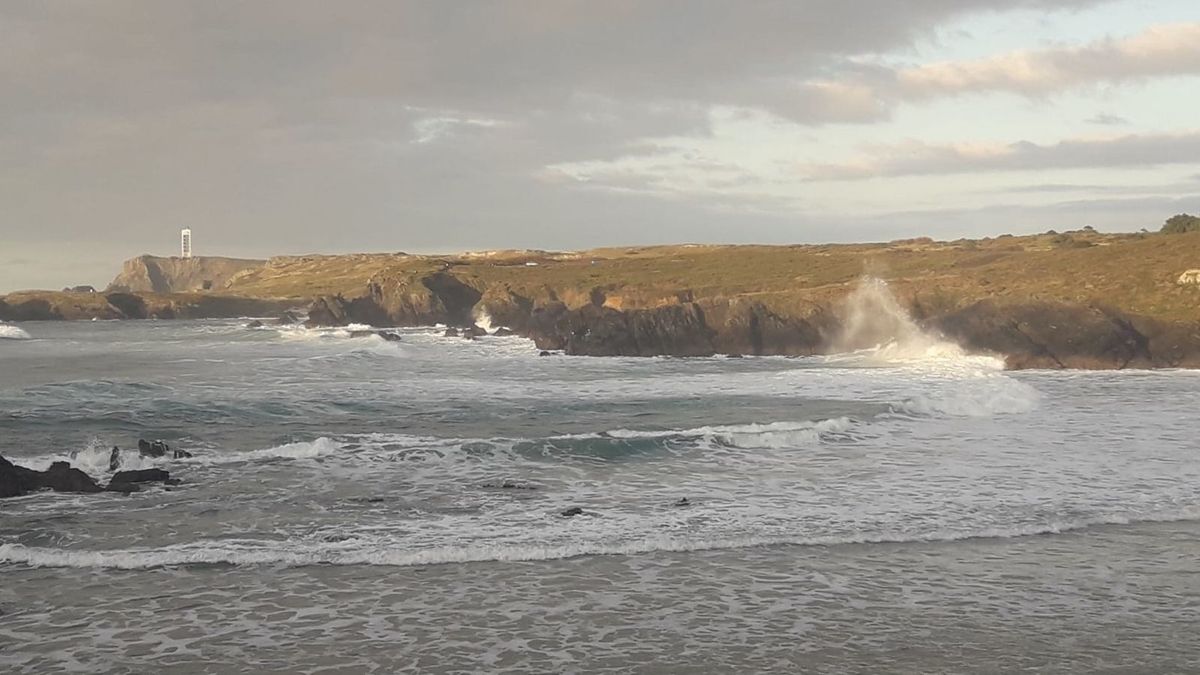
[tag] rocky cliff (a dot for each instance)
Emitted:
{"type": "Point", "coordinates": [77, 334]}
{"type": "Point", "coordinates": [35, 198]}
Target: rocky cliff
{"type": "Point", "coordinates": [70, 306]}
{"type": "Point", "coordinates": [152, 274]}
{"type": "Point", "coordinates": [1072, 300]}
{"type": "Point", "coordinates": [1104, 301]}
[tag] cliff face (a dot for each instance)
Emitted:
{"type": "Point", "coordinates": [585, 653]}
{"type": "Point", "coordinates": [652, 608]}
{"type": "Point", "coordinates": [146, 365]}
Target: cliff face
{"type": "Point", "coordinates": [1026, 335]}
{"type": "Point", "coordinates": [1079, 300]}
{"type": "Point", "coordinates": [151, 274]}
{"type": "Point", "coordinates": [69, 306]}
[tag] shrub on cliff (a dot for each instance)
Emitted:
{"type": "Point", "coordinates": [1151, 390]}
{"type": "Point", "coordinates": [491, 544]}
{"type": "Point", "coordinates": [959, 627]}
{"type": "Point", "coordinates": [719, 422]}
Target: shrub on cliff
{"type": "Point", "coordinates": [1181, 223]}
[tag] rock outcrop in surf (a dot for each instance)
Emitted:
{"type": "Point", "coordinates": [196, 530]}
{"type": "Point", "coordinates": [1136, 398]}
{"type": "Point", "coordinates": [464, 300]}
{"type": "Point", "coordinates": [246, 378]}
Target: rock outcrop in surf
{"type": "Point", "coordinates": [16, 481]}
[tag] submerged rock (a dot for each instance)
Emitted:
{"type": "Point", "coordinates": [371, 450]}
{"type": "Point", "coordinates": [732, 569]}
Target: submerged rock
{"type": "Point", "coordinates": [255, 324]}
{"type": "Point", "coordinates": [127, 481]}
{"type": "Point", "coordinates": [503, 332]}
{"type": "Point", "coordinates": [473, 332]}
{"type": "Point", "coordinates": [287, 319]}
{"type": "Point", "coordinates": [573, 511]}
{"type": "Point", "coordinates": [141, 476]}
{"type": "Point", "coordinates": [152, 449]}
{"type": "Point", "coordinates": [450, 332]}
{"type": "Point", "coordinates": [389, 336]}
{"type": "Point", "coordinates": [682, 501]}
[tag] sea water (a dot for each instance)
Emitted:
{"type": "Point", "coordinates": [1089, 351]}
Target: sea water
{"type": "Point", "coordinates": [359, 505]}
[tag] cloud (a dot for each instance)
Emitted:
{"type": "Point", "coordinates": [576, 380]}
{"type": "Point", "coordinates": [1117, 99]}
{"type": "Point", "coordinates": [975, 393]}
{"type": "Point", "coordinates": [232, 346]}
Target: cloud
{"type": "Point", "coordinates": [915, 158]}
{"type": "Point", "coordinates": [867, 93]}
{"type": "Point", "coordinates": [1106, 119]}
{"type": "Point", "coordinates": [1160, 50]}
{"type": "Point", "coordinates": [307, 125]}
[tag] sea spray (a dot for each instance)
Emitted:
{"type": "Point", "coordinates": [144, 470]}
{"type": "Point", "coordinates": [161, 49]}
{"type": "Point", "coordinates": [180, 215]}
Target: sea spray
{"type": "Point", "coordinates": [10, 332]}
{"type": "Point", "coordinates": [874, 320]}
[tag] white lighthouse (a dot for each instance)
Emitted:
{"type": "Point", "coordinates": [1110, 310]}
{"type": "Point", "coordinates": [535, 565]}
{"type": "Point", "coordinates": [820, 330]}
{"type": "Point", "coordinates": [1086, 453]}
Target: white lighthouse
{"type": "Point", "coordinates": [185, 242]}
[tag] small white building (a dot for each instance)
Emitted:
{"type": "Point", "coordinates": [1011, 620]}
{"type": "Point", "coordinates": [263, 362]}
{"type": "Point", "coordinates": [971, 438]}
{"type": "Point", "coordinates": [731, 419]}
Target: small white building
{"type": "Point", "coordinates": [185, 242]}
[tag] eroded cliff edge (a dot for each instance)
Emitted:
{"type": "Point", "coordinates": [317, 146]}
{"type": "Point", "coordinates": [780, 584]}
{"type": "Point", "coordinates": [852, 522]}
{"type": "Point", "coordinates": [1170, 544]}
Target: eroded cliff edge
{"type": "Point", "coordinates": [153, 274]}
{"type": "Point", "coordinates": [1073, 300]}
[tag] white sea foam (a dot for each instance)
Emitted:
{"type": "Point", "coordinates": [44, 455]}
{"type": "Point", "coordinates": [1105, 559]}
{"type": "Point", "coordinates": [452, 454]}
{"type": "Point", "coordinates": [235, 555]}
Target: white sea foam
{"type": "Point", "coordinates": [93, 459]}
{"type": "Point", "coordinates": [484, 320]}
{"type": "Point", "coordinates": [977, 398]}
{"type": "Point", "coordinates": [876, 330]}
{"type": "Point", "coordinates": [354, 551]}
{"type": "Point", "coordinates": [319, 447]}
{"type": "Point", "coordinates": [10, 332]}
{"type": "Point", "coordinates": [769, 435]}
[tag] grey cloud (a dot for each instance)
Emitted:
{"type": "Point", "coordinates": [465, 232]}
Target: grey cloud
{"type": "Point", "coordinates": [915, 159]}
{"type": "Point", "coordinates": [276, 127]}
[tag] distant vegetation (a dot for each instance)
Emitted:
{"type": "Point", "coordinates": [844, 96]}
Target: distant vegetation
{"type": "Point", "coordinates": [1181, 223]}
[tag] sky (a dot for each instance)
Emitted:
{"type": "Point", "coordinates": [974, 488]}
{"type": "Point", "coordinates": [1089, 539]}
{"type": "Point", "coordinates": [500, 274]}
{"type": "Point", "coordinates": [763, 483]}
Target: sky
{"type": "Point", "coordinates": [280, 127]}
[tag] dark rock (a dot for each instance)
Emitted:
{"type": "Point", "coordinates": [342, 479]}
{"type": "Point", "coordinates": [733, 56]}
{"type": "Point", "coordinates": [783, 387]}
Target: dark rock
{"type": "Point", "coordinates": [361, 333]}
{"type": "Point", "coordinates": [328, 310]}
{"type": "Point", "coordinates": [573, 511]}
{"type": "Point", "coordinates": [140, 476]}
{"type": "Point", "coordinates": [734, 356]}
{"type": "Point", "coordinates": [15, 480]}
{"type": "Point", "coordinates": [742, 326]}
{"type": "Point", "coordinates": [287, 319]}
{"type": "Point", "coordinates": [114, 459]}
{"type": "Point", "coordinates": [173, 481]}
{"type": "Point", "coordinates": [503, 332]}
{"type": "Point", "coordinates": [255, 324]}
{"type": "Point", "coordinates": [62, 477]}
{"type": "Point", "coordinates": [389, 336]}
{"type": "Point", "coordinates": [450, 332]}
{"type": "Point", "coordinates": [152, 449]}
{"type": "Point", "coordinates": [545, 353]}
{"type": "Point", "coordinates": [682, 501]}
{"type": "Point", "coordinates": [1049, 335]}
{"type": "Point", "coordinates": [182, 454]}
{"type": "Point", "coordinates": [473, 331]}
{"type": "Point", "coordinates": [591, 330]}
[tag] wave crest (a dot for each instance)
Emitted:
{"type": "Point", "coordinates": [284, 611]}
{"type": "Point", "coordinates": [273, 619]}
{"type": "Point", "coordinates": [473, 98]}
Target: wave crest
{"type": "Point", "coordinates": [11, 332]}
{"type": "Point", "coordinates": [302, 553]}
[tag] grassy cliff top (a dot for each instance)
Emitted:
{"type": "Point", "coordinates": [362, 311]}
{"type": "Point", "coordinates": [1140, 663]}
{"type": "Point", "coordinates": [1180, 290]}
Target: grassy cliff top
{"type": "Point", "coordinates": [1136, 272]}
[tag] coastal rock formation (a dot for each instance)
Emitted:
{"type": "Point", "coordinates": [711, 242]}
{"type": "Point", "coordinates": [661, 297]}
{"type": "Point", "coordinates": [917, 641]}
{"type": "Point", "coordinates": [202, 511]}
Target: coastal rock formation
{"type": "Point", "coordinates": [675, 330]}
{"type": "Point", "coordinates": [60, 477]}
{"type": "Point", "coordinates": [159, 449]}
{"type": "Point", "coordinates": [16, 481]}
{"type": "Point", "coordinates": [1019, 297]}
{"type": "Point", "coordinates": [59, 306]}
{"type": "Point", "coordinates": [153, 274]}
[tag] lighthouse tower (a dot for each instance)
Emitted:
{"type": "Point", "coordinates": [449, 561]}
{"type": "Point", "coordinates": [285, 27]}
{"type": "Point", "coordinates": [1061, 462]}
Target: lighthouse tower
{"type": "Point", "coordinates": [185, 242]}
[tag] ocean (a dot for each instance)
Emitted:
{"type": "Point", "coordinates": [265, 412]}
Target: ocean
{"type": "Point", "coordinates": [356, 505]}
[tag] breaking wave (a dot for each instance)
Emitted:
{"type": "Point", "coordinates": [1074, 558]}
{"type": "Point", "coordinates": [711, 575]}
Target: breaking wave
{"type": "Point", "coordinates": [302, 553]}
{"type": "Point", "coordinates": [877, 330]}
{"type": "Point", "coordinates": [10, 332]}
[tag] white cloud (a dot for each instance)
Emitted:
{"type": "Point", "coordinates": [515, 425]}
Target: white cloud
{"type": "Point", "coordinates": [1163, 50]}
